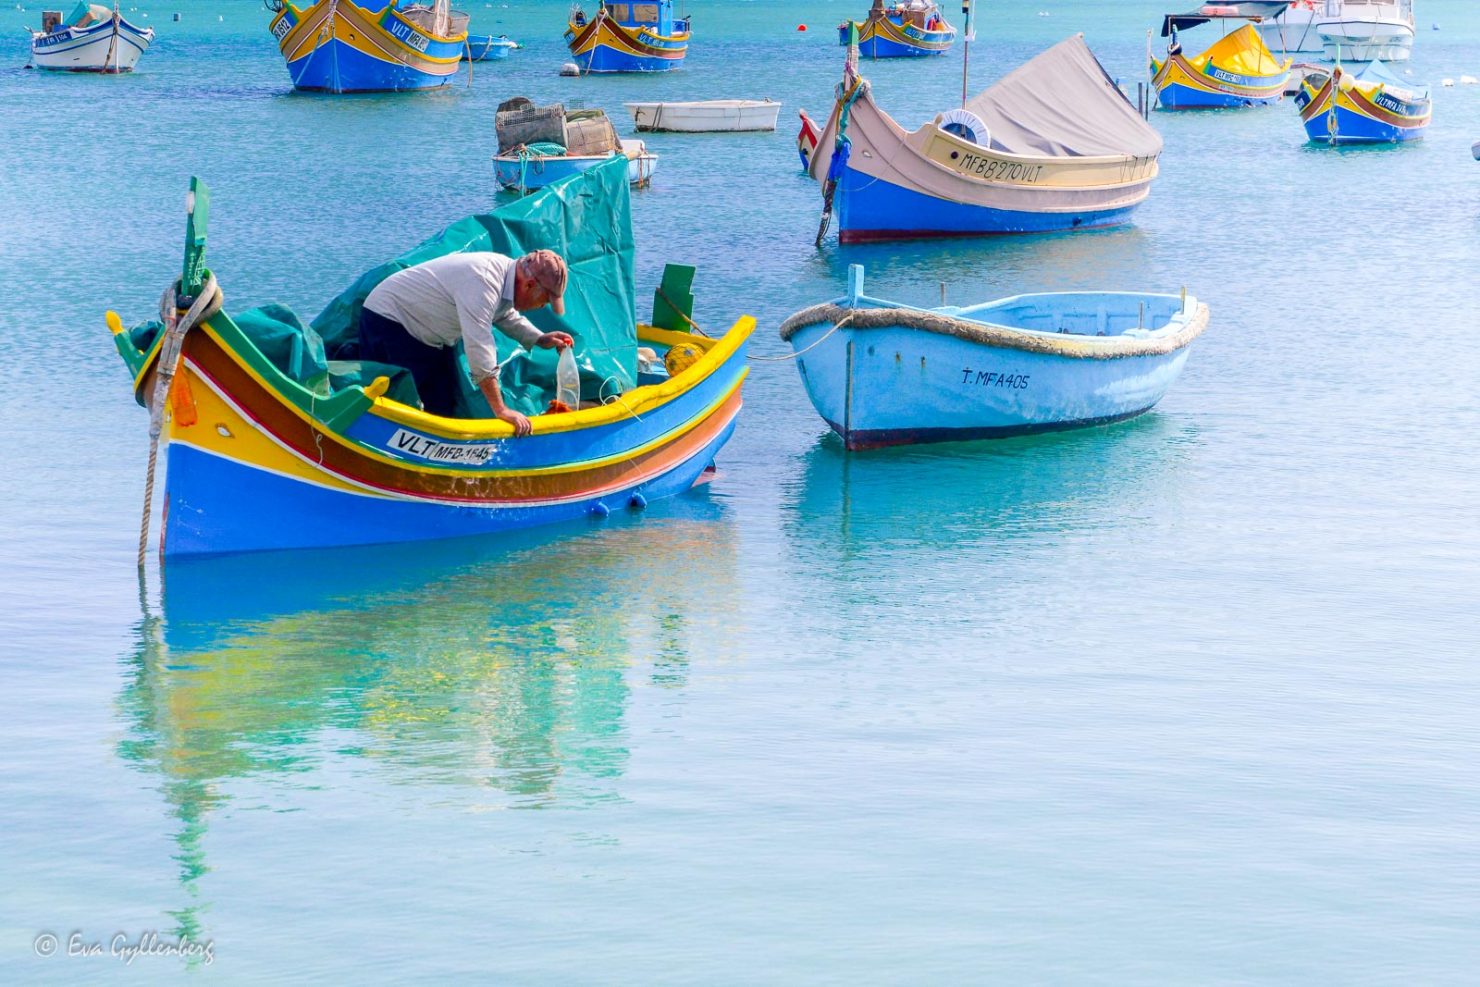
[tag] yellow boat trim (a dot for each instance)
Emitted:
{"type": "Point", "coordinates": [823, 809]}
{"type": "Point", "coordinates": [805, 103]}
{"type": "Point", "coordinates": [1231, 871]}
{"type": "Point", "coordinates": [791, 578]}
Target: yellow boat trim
{"type": "Point", "coordinates": [634, 402]}
{"type": "Point", "coordinates": [658, 394]}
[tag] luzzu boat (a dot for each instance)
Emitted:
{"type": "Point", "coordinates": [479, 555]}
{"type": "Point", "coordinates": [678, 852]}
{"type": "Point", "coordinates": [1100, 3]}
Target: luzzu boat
{"type": "Point", "coordinates": [1236, 70]}
{"type": "Point", "coordinates": [628, 37]}
{"type": "Point", "coordinates": [881, 373]}
{"type": "Point", "coordinates": [271, 445]}
{"type": "Point", "coordinates": [1053, 145]}
{"type": "Point", "coordinates": [92, 39]}
{"type": "Point", "coordinates": [902, 30]}
{"type": "Point", "coordinates": [1371, 106]}
{"type": "Point", "coordinates": [344, 46]}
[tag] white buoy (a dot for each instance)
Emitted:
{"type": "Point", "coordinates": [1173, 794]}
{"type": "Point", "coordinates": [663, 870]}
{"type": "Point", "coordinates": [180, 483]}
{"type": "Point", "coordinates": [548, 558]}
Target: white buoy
{"type": "Point", "coordinates": [1446, 83]}
{"type": "Point", "coordinates": [1468, 80]}
{"type": "Point", "coordinates": [570, 68]}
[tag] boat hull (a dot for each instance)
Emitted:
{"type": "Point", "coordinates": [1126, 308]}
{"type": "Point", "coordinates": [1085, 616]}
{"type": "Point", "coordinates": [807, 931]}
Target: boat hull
{"type": "Point", "coordinates": [900, 385]}
{"type": "Point", "coordinates": [720, 116]}
{"type": "Point", "coordinates": [336, 46]}
{"type": "Point", "coordinates": [1355, 40]}
{"type": "Point", "coordinates": [487, 48]}
{"type": "Point", "coordinates": [532, 173]}
{"type": "Point", "coordinates": [1180, 86]}
{"type": "Point", "coordinates": [871, 209]}
{"type": "Point", "coordinates": [110, 47]}
{"type": "Point", "coordinates": [603, 46]}
{"type": "Point", "coordinates": [1292, 32]}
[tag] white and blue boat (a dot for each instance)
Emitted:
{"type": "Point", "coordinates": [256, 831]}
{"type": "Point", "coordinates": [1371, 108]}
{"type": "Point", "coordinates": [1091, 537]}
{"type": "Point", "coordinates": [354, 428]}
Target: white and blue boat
{"type": "Point", "coordinates": [92, 39]}
{"type": "Point", "coordinates": [527, 170]}
{"type": "Point", "coordinates": [1053, 146]}
{"type": "Point", "coordinates": [488, 48]}
{"type": "Point", "coordinates": [881, 373]}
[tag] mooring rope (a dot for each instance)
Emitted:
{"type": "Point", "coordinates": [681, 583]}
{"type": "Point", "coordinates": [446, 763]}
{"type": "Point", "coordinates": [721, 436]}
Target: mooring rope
{"type": "Point", "coordinates": [792, 356]}
{"type": "Point", "coordinates": [173, 329]}
{"type": "Point", "coordinates": [1066, 344]}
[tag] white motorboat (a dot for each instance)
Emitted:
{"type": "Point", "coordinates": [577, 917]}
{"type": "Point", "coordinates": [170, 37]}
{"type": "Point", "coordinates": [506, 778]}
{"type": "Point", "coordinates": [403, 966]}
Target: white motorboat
{"type": "Point", "coordinates": [724, 115]}
{"type": "Point", "coordinates": [1293, 29]}
{"type": "Point", "coordinates": [1367, 30]}
{"type": "Point", "coordinates": [92, 39]}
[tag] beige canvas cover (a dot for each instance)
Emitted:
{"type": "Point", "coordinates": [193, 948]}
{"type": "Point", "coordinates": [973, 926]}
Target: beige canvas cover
{"type": "Point", "coordinates": [1062, 103]}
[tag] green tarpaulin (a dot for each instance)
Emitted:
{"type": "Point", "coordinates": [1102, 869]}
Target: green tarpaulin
{"type": "Point", "coordinates": [587, 220]}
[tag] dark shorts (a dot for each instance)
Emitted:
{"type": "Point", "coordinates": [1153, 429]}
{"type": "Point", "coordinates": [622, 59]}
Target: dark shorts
{"type": "Point", "coordinates": [434, 368]}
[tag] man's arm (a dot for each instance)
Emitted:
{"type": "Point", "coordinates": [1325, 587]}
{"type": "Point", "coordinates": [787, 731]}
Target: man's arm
{"type": "Point", "coordinates": [489, 386]}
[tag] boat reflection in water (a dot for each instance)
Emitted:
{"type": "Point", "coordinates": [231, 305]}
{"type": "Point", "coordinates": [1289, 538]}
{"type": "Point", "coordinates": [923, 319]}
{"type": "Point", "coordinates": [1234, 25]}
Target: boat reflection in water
{"type": "Point", "coordinates": [860, 524]}
{"type": "Point", "coordinates": [504, 667]}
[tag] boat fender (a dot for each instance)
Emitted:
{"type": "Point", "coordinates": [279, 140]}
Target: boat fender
{"type": "Point", "coordinates": [966, 125]}
{"type": "Point", "coordinates": [680, 358]}
{"type": "Point", "coordinates": [600, 510]}
{"type": "Point", "coordinates": [638, 502]}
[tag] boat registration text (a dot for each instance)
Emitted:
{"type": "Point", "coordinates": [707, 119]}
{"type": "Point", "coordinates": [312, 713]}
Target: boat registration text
{"type": "Point", "coordinates": [434, 451]}
{"type": "Point", "coordinates": [997, 170]}
{"type": "Point", "coordinates": [990, 378]}
{"type": "Point", "coordinates": [401, 32]}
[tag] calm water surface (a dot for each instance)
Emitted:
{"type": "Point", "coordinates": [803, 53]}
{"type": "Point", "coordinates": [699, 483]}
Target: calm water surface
{"type": "Point", "coordinates": [1189, 699]}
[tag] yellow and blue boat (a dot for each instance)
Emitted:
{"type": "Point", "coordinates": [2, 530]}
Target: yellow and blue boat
{"type": "Point", "coordinates": [279, 437]}
{"type": "Point", "coordinates": [628, 37]}
{"type": "Point", "coordinates": [1236, 70]}
{"type": "Point", "coordinates": [369, 46]}
{"type": "Point", "coordinates": [905, 29]}
{"type": "Point", "coordinates": [1371, 106]}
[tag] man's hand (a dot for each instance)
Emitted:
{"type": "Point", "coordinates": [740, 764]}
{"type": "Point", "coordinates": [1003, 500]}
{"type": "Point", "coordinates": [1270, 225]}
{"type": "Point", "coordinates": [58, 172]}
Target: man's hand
{"type": "Point", "coordinates": [520, 423]}
{"type": "Point", "coordinates": [555, 341]}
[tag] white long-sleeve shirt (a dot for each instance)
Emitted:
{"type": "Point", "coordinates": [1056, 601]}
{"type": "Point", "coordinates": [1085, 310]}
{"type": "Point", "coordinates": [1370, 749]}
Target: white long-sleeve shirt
{"type": "Point", "coordinates": [458, 296]}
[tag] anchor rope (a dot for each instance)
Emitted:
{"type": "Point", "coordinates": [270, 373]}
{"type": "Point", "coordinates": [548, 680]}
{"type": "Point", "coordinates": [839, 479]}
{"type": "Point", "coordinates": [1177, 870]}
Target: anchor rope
{"type": "Point", "coordinates": [175, 324]}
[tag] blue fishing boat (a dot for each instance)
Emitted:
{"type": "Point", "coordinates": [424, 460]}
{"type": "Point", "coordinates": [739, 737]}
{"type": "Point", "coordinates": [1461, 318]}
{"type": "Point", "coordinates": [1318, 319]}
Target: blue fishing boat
{"type": "Point", "coordinates": [1371, 106]}
{"type": "Point", "coordinates": [1236, 70]}
{"type": "Point", "coordinates": [1052, 146]}
{"type": "Point", "coordinates": [628, 37]}
{"type": "Point", "coordinates": [282, 435]}
{"type": "Point", "coordinates": [487, 48]}
{"type": "Point", "coordinates": [533, 168]}
{"type": "Point", "coordinates": [369, 46]}
{"type": "Point", "coordinates": [906, 29]}
{"type": "Point", "coordinates": [881, 373]}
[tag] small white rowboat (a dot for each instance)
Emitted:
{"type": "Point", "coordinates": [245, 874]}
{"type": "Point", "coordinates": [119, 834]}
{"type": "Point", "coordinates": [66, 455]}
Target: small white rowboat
{"type": "Point", "coordinates": [706, 116]}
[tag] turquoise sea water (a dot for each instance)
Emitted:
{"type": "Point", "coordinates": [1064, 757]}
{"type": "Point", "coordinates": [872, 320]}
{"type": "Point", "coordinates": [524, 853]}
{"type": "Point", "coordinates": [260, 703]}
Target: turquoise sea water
{"type": "Point", "coordinates": [1189, 699]}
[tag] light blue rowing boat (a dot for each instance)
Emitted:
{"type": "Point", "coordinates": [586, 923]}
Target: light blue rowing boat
{"type": "Point", "coordinates": [529, 170]}
{"type": "Point", "coordinates": [881, 373]}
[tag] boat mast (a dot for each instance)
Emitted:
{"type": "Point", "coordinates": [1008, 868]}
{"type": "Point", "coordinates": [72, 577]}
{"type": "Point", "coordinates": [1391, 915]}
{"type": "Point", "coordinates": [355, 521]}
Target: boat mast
{"type": "Point", "coordinates": [967, 37]}
{"type": "Point", "coordinates": [441, 17]}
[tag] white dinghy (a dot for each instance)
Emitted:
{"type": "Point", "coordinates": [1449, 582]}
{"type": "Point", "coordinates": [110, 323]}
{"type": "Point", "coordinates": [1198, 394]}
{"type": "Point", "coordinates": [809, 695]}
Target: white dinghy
{"type": "Point", "coordinates": [713, 115]}
{"type": "Point", "coordinates": [92, 39]}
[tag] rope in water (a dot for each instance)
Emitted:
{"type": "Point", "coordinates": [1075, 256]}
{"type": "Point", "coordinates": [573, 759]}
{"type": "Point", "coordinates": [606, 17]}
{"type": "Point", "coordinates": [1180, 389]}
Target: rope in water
{"type": "Point", "coordinates": [175, 325]}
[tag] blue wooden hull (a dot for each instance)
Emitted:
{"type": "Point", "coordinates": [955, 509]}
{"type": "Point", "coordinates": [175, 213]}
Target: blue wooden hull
{"type": "Point", "coordinates": [893, 385]}
{"type": "Point", "coordinates": [1356, 128]}
{"type": "Point", "coordinates": [603, 59]}
{"type": "Point", "coordinates": [252, 509]}
{"type": "Point", "coordinates": [877, 47]}
{"type": "Point", "coordinates": [1179, 97]}
{"type": "Point", "coordinates": [873, 209]}
{"type": "Point", "coordinates": [487, 48]}
{"type": "Point", "coordinates": [536, 172]}
{"type": "Point", "coordinates": [335, 67]}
